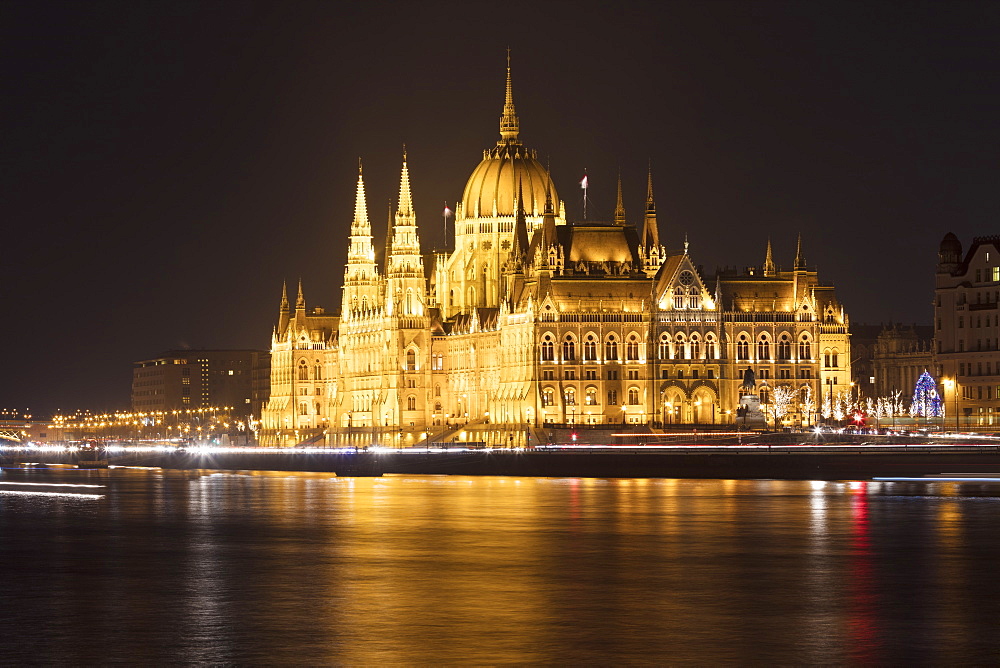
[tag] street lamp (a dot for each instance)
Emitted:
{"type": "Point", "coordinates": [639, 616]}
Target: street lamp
{"type": "Point", "coordinates": [951, 384]}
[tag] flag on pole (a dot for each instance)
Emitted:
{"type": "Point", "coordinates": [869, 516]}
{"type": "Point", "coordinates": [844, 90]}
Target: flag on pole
{"type": "Point", "coordinates": [583, 183]}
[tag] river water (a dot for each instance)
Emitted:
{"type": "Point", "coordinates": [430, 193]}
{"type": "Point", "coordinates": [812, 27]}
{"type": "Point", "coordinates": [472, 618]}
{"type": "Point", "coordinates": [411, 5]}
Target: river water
{"type": "Point", "coordinates": [153, 566]}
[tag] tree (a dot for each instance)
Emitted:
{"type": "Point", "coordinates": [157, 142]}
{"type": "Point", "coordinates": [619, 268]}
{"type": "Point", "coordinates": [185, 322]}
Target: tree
{"type": "Point", "coordinates": [781, 398]}
{"type": "Point", "coordinates": [808, 402]}
{"type": "Point", "coordinates": [926, 400]}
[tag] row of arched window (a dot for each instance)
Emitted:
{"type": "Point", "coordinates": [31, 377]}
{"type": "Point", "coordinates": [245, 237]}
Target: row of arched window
{"type": "Point", "coordinates": [690, 298]}
{"type": "Point", "coordinates": [590, 348]}
{"type": "Point", "coordinates": [765, 347]}
{"type": "Point", "coordinates": [590, 396]}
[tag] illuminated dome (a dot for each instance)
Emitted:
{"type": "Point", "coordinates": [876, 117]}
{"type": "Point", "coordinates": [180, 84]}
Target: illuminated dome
{"type": "Point", "coordinates": [495, 181]}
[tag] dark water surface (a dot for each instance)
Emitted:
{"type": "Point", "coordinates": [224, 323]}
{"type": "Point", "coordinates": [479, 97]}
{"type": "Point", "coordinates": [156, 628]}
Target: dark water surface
{"type": "Point", "coordinates": [279, 568]}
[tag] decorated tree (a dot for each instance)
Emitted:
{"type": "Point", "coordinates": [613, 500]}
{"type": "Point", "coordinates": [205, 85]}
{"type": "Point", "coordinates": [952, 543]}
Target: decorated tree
{"type": "Point", "coordinates": [926, 400]}
{"type": "Point", "coordinates": [808, 402]}
{"type": "Point", "coordinates": [827, 410]}
{"type": "Point", "coordinates": [782, 399]}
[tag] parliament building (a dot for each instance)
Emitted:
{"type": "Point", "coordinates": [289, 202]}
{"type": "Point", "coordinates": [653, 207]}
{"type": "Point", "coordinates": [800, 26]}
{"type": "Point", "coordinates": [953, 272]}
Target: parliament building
{"type": "Point", "coordinates": [532, 319]}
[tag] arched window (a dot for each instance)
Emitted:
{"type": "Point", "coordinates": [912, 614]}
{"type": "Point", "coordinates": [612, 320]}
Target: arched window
{"type": "Point", "coordinates": [680, 347]}
{"type": "Point", "coordinates": [765, 394]}
{"type": "Point", "coordinates": [303, 370]}
{"type": "Point", "coordinates": [411, 360]}
{"type": "Point", "coordinates": [611, 349]}
{"type": "Point", "coordinates": [303, 408]}
{"type": "Point", "coordinates": [711, 348]}
{"type": "Point", "coordinates": [472, 295]}
{"type": "Point", "coordinates": [826, 357]}
{"type": "Point", "coordinates": [763, 348]}
{"type": "Point", "coordinates": [569, 396]}
{"type": "Point", "coordinates": [569, 349]}
{"type": "Point", "coordinates": [548, 396]}
{"type": "Point", "coordinates": [317, 408]}
{"type": "Point", "coordinates": [364, 303]}
{"type": "Point", "coordinates": [695, 347]}
{"type": "Point", "coordinates": [743, 347]}
{"type": "Point", "coordinates": [694, 298]}
{"type": "Point", "coordinates": [409, 302]}
{"type": "Point", "coordinates": [632, 348]}
{"type": "Point", "coordinates": [663, 350]}
{"type": "Point", "coordinates": [437, 406]}
{"type": "Point", "coordinates": [590, 348]}
{"type": "Point", "coordinates": [548, 350]}
{"type": "Point", "coordinates": [784, 347]}
{"type": "Point", "coordinates": [437, 390]}
{"type": "Point", "coordinates": [612, 397]}
{"type": "Point", "coordinates": [318, 371]}
{"type": "Point", "coordinates": [411, 403]}
{"type": "Point", "coordinates": [678, 297]}
{"type": "Point", "coordinates": [633, 396]}
{"type": "Point", "coordinates": [805, 350]}
{"type": "Point", "coordinates": [590, 398]}
{"type": "Point", "coordinates": [835, 358]}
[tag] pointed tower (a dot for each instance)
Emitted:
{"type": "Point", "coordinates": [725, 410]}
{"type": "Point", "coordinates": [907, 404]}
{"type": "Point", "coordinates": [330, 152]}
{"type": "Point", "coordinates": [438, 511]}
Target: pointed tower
{"type": "Point", "coordinates": [405, 285]}
{"type": "Point", "coordinates": [650, 232]}
{"type": "Point", "coordinates": [769, 269]}
{"type": "Point", "coordinates": [800, 262]}
{"type": "Point", "coordinates": [361, 276]}
{"type": "Point", "coordinates": [283, 310]}
{"type": "Point", "coordinates": [620, 205]}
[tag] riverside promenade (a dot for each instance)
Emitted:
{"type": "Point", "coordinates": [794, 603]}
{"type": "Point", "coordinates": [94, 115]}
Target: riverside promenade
{"type": "Point", "coordinates": [759, 461]}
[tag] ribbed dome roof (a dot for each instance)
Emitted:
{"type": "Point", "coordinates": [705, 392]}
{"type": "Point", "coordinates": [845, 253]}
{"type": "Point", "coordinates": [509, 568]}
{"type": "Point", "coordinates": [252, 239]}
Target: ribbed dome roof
{"type": "Point", "coordinates": [951, 244]}
{"type": "Point", "coordinates": [497, 177]}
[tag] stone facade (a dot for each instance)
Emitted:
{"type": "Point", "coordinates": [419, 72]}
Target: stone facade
{"type": "Point", "coordinates": [967, 331]}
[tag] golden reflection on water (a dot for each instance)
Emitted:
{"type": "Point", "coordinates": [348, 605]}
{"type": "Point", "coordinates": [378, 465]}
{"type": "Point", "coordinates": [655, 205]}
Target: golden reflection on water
{"type": "Point", "coordinates": [288, 568]}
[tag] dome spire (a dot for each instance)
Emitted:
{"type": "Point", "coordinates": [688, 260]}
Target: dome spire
{"type": "Point", "coordinates": [650, 231]}
{"type": "Point", "coordinates": [508, 120]}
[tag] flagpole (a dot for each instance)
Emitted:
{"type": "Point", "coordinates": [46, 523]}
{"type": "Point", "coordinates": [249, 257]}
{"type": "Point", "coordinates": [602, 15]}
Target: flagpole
{"type": "Point", "coordinates": [584, 184]}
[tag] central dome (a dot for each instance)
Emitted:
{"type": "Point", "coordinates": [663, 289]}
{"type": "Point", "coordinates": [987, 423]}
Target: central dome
{"type": "Point", "coordinates": [505, 168]}
{"type": "Point", "coordinates": [495, 182]}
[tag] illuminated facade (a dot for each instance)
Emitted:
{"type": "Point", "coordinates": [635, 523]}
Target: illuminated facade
{"type": "Point", "coordinates": [534, 320]}
{"type": "Point", "coordinates": [967, 331]}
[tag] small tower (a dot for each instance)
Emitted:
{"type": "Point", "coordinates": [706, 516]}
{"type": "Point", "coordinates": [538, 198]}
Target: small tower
{"type": "Point", "coordinates": [800, 262]}
{"type": "Point", "coordinates": [620, 205]}
{"type": "Point", "coordinates": [769, 268]}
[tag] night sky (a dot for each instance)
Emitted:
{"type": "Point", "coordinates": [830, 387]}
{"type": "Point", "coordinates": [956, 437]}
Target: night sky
{"type": "Point", "coordinates": [166, 165]}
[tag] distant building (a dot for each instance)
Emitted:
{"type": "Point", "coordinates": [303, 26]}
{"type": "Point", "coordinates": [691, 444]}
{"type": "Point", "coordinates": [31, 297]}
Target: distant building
{"type": "Point", "coordinates": [900, 355]}
{"type": "Point", "coordinates": [967, 330]}
{"type": "Point", "coordinates": [533, 319]}
{"type": "Point", "coordinates": [183, 379]}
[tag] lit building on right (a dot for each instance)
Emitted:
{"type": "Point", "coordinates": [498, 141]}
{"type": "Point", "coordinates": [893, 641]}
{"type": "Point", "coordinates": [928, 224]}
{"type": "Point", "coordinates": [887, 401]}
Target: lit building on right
{"type": "Point", "coordinates": [967, 331]}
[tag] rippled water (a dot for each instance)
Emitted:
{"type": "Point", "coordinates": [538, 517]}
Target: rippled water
{"type": "Point", "coordinates": [159, 566]}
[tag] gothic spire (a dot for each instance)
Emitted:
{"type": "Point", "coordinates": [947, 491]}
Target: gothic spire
{"type": "Point", "coordinates": [769, 268]}
{"type": "Point", "coordinates": [620, 205]}
{"type": "Point", "coordinates": [800, 262]}
{"type": "Point", "coordinates": [650, 233]}
{"type": "Point", "coordinates": [360, 226]}
{"type": "Point", "coordinates": [300, 301]}
{"type": "Point", "coordinates": [520, 225]}
{"type": "Point", "coordinates": [405, 199]}
{"type": "Point", "coordinates": [508, 120]}
{"type": "Point", "coordinates": [284, 297]}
